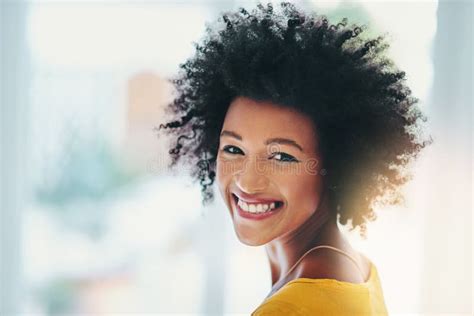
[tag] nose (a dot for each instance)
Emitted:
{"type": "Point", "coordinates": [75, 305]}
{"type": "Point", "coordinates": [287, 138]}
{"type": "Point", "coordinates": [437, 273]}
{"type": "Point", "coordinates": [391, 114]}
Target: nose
{"type": "Point", "coordinates": [251, 178]}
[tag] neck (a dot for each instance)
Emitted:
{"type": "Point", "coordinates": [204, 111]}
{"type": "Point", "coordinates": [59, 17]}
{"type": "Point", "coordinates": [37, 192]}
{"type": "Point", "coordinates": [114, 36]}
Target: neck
{"type": "Point", "coordinates": [284, 252]}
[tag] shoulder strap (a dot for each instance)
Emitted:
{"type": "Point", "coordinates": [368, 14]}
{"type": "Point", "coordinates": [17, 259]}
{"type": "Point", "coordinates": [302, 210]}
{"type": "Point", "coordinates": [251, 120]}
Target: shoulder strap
{"type": "Point", "coordinates": [344, 253]}
{"type": "Point", "coordinates": [330, 247]}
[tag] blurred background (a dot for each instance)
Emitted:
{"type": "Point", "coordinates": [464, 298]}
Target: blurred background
{"type": "Point", "coordinates": [92, 222]}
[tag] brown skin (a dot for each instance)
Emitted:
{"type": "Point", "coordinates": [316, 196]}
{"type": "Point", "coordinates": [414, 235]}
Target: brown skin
{"type": "Point", "coordinates": [250, 166]}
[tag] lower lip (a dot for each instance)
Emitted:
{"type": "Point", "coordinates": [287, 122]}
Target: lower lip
{"type": "Point", "coordinates": [254, 216]}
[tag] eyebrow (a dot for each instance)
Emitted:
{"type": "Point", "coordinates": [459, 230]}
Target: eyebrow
{"type": "Point", "coordinates": [278, 140]}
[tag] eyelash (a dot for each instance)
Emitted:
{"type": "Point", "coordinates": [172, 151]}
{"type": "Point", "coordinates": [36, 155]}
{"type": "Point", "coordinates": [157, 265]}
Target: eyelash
{"type": "Point", "coordinates": [293, 159]}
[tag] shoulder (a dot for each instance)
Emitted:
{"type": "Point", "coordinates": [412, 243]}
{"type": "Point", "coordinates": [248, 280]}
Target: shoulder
{"type": "Point", "coordinates": [280, 308]}
{"type": "Point", "coordinates": [315, 298]}
{"type": "Point", "coordinates": [329, 264]}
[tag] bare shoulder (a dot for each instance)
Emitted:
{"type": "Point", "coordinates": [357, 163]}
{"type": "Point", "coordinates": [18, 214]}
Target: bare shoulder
{"type": "Point", "coordinates": [326, 263]}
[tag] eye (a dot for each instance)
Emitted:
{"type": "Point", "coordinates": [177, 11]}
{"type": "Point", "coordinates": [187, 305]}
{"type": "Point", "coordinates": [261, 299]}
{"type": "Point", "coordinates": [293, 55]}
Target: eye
{"type": "Point", "coordinates": [231, 149]}
{"type": "Point", "coordinates": [285, 157]}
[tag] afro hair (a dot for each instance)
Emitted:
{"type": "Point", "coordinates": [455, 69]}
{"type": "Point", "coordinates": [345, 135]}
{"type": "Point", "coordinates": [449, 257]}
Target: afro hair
{"type": "Point", "coordinates": [366, 117]}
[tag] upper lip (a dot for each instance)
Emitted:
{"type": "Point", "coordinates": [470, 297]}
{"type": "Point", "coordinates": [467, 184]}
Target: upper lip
{"type": "Point", "coordinates": [253, 198]}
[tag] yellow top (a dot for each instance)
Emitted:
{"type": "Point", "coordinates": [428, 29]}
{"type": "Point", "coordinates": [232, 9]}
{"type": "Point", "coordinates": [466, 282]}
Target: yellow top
{"type": "Point", "coordinates": [305, 296]}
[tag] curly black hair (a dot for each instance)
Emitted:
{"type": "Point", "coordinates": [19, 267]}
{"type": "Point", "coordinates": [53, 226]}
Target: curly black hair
{"type": "Point", "coordinates": [366, 117]}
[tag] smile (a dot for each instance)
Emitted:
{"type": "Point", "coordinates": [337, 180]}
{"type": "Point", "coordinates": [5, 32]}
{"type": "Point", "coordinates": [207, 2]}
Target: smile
{"type": "Point", "coordinates": [256, 210]}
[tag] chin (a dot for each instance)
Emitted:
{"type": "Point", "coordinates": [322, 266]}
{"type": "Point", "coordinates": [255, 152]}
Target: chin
{"type": "Point", "coordinates": [250, 238]}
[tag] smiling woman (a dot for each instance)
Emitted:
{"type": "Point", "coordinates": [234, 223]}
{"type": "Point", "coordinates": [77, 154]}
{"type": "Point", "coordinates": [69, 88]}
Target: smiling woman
{"type": "Point", "coordinates": [259, 172]}
{"type": "Point", "coordinates": [303, 124]}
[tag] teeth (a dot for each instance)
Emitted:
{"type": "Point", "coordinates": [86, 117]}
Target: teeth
{"type": "Point", "coordinates": [256, 208]}
{"type": "Point", "coordinates": [244, 206]}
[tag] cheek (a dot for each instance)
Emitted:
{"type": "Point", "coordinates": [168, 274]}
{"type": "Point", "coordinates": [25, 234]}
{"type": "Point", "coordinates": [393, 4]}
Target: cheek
{"type": "Point", "coordinates": [302, 192]}
{"type": "Point", "coordinates": [220, 176]}
{"type": "Point", "coordinates": [223, 174]}
{"type": "Point", "coordinates": [226, 167]}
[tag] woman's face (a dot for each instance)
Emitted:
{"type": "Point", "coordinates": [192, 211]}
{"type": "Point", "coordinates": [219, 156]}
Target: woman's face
{"type": "Point", "coordinates": [268, 153]}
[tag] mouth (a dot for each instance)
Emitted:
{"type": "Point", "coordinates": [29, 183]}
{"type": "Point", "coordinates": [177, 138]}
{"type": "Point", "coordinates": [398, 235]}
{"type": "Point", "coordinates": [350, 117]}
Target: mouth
{"type": "Point", "coordinates": [256, 211]}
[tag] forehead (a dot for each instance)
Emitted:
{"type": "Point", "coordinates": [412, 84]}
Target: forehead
{"type": "Point", "coordinates": [259, 120]}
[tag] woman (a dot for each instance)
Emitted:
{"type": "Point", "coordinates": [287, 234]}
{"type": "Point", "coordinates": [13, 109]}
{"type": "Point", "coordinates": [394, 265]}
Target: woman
{"type": "Point", "coordinates": [303, 124]}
